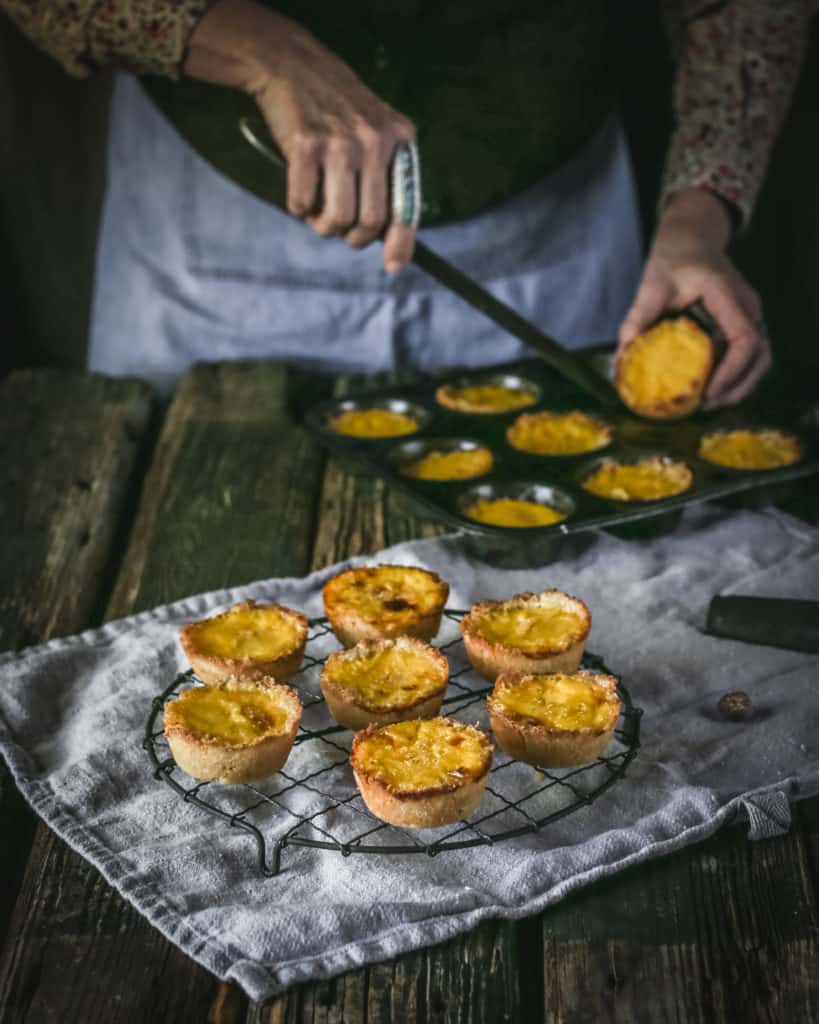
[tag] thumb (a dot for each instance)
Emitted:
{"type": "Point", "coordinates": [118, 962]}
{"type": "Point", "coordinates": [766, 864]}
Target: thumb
{"type": "Point", "coordinates": [653, 298]}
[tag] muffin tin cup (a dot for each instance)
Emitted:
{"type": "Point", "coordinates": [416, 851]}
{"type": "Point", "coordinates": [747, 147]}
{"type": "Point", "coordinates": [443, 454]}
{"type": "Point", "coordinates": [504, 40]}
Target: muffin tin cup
{"type": "Point", "coordinates": [633, 438]}
{"type": "Point", "coordinates": [389, 403]}
{"type": "Point", "coordinates": [504, 380]}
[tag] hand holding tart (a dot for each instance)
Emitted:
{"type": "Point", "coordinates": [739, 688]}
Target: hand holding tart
{"type": "Point", "coordinates": [543, 632]}
{"type": "Point", "coordinates": [662, 373]}
{"type": "Point", "coordinates": [249, 641]}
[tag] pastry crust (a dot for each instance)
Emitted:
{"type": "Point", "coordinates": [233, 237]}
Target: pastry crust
{"type": "Point", "coordinates": [372, 422]}
{"type": "Point", "coordinates": [207, 756]}
{"type": "Point", "coordinates": [559, 433]}
{"type": "Point", "coordinates": [484, 399]}
{"type": "Point", "coordinates": [214, 667]}
{"type": "Point", "coordinates": [384, 601]}
{"type": "Point", "coordinates": [492, 655]}
{"type": "Point", "coordinates": [415, 805]}
{"type": "Point", "coordinates": [441, 465]}
{"type": "Point", "coordinates": [651, 479]}
{"type": "Point", "coordinates": [662, 373]}
{"type": "Point", "coordinates": [529, 740]}
{"type": "Point", "coordinates": [417, 694]}
{"type": "Point", "coordinates": [758, 449]}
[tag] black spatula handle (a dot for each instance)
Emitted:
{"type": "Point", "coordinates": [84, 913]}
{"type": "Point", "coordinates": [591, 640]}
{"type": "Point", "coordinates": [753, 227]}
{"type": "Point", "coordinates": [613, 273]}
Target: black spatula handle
{"type": "Point", "coordinates": [775, 621]}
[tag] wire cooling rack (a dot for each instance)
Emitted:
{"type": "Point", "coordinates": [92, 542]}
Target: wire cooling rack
{"type": "Point", "coordinates": [314, 802]}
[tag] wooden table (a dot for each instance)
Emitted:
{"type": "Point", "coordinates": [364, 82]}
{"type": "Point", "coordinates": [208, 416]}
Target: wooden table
{"type": "Point", "coordinates": [110, 505]}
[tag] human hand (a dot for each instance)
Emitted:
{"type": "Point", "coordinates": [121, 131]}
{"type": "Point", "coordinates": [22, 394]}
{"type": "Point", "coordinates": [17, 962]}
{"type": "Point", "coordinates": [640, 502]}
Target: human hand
{"type": "Point", "coordinates": [332, 129]}
{"type": "Point", "coordinates": [688, 263]}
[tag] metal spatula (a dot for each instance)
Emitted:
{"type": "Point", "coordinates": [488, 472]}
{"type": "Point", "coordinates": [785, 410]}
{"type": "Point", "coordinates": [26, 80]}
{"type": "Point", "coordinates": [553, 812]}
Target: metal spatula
{"type": "Point", "coordinates": [566, 363]}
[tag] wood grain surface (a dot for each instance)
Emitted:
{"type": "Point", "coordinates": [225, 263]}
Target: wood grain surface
{"type": "Point", "coordinates": [69, 445]}
{"type": "Point", "coordinates": [110, 516]}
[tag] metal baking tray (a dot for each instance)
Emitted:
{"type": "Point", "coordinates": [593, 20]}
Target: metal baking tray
{"type": "Point", "coordinates": [558, 478]}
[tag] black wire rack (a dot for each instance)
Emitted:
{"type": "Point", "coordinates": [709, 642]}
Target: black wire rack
{"type": "Point", "coordinates": [314, 802]}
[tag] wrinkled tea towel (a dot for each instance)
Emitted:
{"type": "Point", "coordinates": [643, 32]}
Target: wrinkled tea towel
{"type": "Point", "coordinates": [73, 711]}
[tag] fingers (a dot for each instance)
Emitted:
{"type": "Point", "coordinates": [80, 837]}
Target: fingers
{"type": "Point", "coordinates": [372, 202]}
{"type": "Point", "coordinates": [303, 171]}
{"type": "Point", "coordinates": [398, 245]}
{"type": "Point", "coordinates": [348, 175]}
{"type": "Point", "coordinates": [752, 375]}
{"type": "Point", "coordinates": [747, 352]}
{"type": "Point", "coordinates": [653, 297]}
{"type": "Point", "coordinates": [339, 209]}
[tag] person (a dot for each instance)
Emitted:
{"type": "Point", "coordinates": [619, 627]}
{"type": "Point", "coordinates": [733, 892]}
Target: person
{"type": "Point", "coordinates": [526, 174]}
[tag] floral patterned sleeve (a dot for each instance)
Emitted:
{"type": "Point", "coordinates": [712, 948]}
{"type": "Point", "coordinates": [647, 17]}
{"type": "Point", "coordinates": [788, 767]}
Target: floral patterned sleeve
{"type": "Point", "coordinates": [145, 36]}
{"type": "Point", "coordinates": [737, 66]}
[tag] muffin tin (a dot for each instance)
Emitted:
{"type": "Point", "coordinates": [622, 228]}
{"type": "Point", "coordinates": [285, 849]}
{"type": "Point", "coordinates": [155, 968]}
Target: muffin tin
{"type": "Point", "coordinates": [544, 478]}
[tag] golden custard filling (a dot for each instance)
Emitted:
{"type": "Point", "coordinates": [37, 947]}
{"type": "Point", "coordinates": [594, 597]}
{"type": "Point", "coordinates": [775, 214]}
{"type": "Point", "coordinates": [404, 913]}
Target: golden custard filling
{"type": "Point", "coordinates": [555, 433]}
{"type": "Point", "coordinates": [530, 629]}
{"type": "Point", "coordinates": [234, 716]}
{"type": "Point", "coordinates": [391, 676]}
{"type": "Point", "coordinates": [487, 397]}
{"type": "Point", "coordinates": [388, 592]}
{"type": "Point", "coordinates": [750, 449]}
{"type": "Point", "coordinates": [260, 633]}
{"type": "Point", "coordinates": [461, 464]}
{"type": "Point", "coordinates": [432, 753]}
{"type": "Point", "coordinates": [671, 359]}
{"type": "Point", "coordinates": [644, 481]}
{"type": "Point", "coordinates": [513, 512]}
{"type": "Point", "coordinates": [373, 423]}
{"type": "Point", "coordinates": [558, 701]}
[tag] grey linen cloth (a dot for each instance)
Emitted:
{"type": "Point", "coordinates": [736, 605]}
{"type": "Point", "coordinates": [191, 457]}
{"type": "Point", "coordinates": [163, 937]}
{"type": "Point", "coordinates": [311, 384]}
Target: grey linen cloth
{"type": "Point", "coordinates": [72, 714]}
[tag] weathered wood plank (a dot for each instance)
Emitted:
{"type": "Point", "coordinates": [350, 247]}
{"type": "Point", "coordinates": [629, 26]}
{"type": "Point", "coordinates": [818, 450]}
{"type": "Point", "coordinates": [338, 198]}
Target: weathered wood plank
{"type": "Point", "coordinates": [68, 443]}
{"type": "Point", "coordinates": [229, 497]}
{"type": "Point", "coordinates": [68, 447]}
{"type": "Point", "coordinates": [470, 980]}
{"type": "Point", "coordinates": [231, 493]}
{"type": "Point", "coordinates": [473, 978]}
{"type": "Point", "coordinates": [726, 931]}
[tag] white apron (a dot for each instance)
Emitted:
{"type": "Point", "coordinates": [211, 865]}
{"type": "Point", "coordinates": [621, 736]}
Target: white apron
{"type": "Point", "coordinates": [192, 268]}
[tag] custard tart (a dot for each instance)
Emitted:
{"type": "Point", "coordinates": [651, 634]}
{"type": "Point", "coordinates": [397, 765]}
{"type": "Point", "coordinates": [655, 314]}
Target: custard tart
{"type": "Point", "coordinates": [527, 633]}
{"type": "Point", "coordinates": [484, 399]}
{"type": "Point", "coordinates": [558, 433]}
{"type": "Point", "coordinates": [383, 681]}
{"type": "Point", "coordinates": [514, 512]}
{"type": "Point", "coordinates": [239, 731]}
{"type": "Point", "coordinates": [372, 423]}
{"type": "Point", "coordinates": [649, 479]}
{"type": "Point", "coordinates": [422, 773]}
{"type": "Point", "coordinates": [554, 720]}
{"type": "Point", "coordinates": [384, 601]}
{"type": "Point", "coordinates": [662, 373]}
{"type": "Point", "coordinates": [452, 464]}
{"type": "Point", "coordinates": [750, 449]}
{"type": "Point", "coordinates": [249, 641]}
